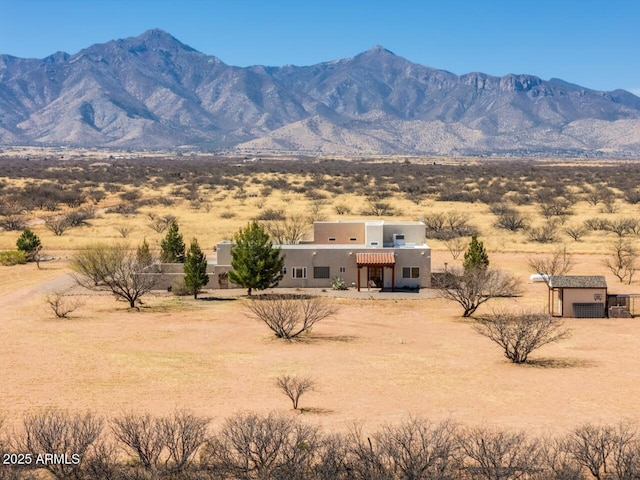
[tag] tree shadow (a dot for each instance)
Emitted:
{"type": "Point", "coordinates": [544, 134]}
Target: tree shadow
{"type": "Point", "coordinates": [217, 299]}
{"type": "Point", "coordinates": [311, 338]}
{"type": "Point", "coordinates": [315, 411]}
{"type": "Point", "coordinates": [560, 363]}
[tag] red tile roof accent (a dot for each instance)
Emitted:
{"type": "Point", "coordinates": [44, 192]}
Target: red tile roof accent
{"type": "Point", "coordinates": [375, 259]}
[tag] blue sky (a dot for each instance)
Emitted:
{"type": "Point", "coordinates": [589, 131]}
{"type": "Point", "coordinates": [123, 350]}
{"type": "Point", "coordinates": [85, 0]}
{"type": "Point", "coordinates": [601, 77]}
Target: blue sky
{"type": "Point", "coordinates": [592, 43]}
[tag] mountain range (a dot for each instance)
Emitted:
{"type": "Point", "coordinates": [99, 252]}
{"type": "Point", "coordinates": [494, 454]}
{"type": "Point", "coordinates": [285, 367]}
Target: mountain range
{"type": "Point", "coordinates": [154, 92]}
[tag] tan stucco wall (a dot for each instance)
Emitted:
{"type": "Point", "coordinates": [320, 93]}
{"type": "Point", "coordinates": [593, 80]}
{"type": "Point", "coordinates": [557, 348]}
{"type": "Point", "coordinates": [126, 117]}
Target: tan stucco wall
{"type": "Point", "coordinates": [334, 258]}
{"type": "Point", "coordinates": [342, 232]}
{"type": "Point", "coordinates": [578, 295]}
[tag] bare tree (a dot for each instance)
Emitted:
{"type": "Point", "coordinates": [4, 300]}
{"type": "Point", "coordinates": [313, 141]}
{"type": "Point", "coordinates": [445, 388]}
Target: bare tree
{"type": "Point", "coordinates": [252, 447]}
{"type": "Point", "coordinates": [53, 431]}
{"type": "Point", "coordinates": [417, 448]}
{"type": "Point", "coordinates": [13, 222]}
{"type": "Point", "coordinates": [558, 462]}
{"type": "Point", "coordinates": [456, 246]}
{"type": "Point", "coordinates": [625, 453]}
{"type": "Point", "coordinates": [591, 446]}
{"type": "Point", "coordinates": [142, 436]}
{"type": "Point", "coordinates": [575, 232]}
{"type": "Point", "coordinates": [115, 268]}
{"type": "Point", "coordinates": [378, 208]}
{"type": "Point", "coordinates": [520, 334]}
{"type": "Point", "coordinates": [558, 263]}
{"type": "Point", "coordinates": [57, 224]}
{"type": "Point", "coordinates": [623, 262]}
{"type": "Point", "coordinates": [182, 433]}
{"type": "Point", "coordinates": [288, 316]}
{"type": "Point", "coordinates": [160, 224]}
{"type": "Point", "coordinates": [62, 305]}
{"type": "Point", "coordinates": [499, 455]}
{"type": "Point", "coordinates": [294, 387]}
{"type": "Point", "coordinates": [476, 286]}
{"type": "Point", "coordinates": [546, 233]}
{"type": "Point", "coordinates": [287, 231]}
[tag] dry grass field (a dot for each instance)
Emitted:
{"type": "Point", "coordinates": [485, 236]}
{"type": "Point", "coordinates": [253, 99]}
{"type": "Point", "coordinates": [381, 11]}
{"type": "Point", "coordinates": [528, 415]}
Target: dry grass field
{"type": "Point", "coordinates": [376, 361]}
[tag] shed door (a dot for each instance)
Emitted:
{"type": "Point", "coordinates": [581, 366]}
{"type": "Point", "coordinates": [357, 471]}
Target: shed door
{"type": "Point", "coordinates": [588, 310]}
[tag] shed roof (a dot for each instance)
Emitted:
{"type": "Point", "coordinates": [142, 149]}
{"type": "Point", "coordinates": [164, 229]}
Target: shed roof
{"type": "Point", "coordinates": [578, 281]}
{"type": "Point", "coordinates": [375, 259]}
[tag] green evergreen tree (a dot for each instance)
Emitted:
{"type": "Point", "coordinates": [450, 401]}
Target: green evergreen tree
{"type": "Point", "coordinates": [195, 269]}
{"type": "Point", "coordinates": [172, 245]}
{"type": "Point", "coordinates": [29, 243]}
{"type": "Point", "coordinates": [255, 263]}
{"type": "Point", "coordinates": [143, 255]}
{"type": "Point", "coordinates": [475, 256]}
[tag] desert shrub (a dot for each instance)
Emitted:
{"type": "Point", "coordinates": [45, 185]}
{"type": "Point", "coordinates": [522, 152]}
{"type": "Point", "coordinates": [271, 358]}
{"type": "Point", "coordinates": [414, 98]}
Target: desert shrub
{"type": "Point", "coordinates": [546, 233]}
{"type": "Point", "coordinates": [378, 208]}
{"type": "Point", "coordinates": [491, 454]}
{"type": "Point", "coordinates": [61, 433]}
{"type": "Point", "coordinates": [271, 214]}
{"type": "Point", "coordinates": [575, 232]}
{"type": "Point", "coordinates": [226, 214]}
{"type": "Point", "coordinates": [80, 217]}
{"type": "Point", "coordinates": [13, 222]}
{"type": "Point", "coordinates": [519, 334]}
{"type": "Point", "coordinates": [289, 316]}
{"type": "Point", "coordinates": [342, 209]}
{"type": "Point", "coordinates": [338, 283]}
{"type": "Point", "coordinates": [12, 257]}
{"type": "Point", "coordinates": [595, 224]}
{"type": "Point", "coordinates": [445, 226]}
{"type": "Point", "coordinates": [57, 224]}
{"type": "Point", "coordinates": [62, 305]}
{"type": "Point", "coordinates": [512, 221]}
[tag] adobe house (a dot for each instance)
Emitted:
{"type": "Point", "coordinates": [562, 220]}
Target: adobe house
{"type": "Point", "coordinates": [365, 254]}
{"type": "Point", "coordinates": [578, 296]}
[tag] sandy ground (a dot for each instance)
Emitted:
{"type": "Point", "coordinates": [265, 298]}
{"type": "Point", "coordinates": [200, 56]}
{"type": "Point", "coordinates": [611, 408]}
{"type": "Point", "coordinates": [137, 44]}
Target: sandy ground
{"type": "Point", "coordinates": [379, 359]}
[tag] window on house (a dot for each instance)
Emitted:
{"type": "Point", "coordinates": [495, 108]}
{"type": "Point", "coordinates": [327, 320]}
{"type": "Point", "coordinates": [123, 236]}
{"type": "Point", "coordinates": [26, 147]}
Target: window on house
{"type": "Point", "coordinates": [343, 269]}
{"type": "Point", "coordinates": [374, 244]}
{"type": "Point", "coordinates": [284, 270]}
{"type": "Point", "coordinates": [332, 239]}
{"type": "Point", "coordinates": [353, 239]}
{"type": "Point", "coordinates": [321, 272]}
{"type": "Point", "coordinates": [410, 272]}
{"type": "Point", "coordinates": [299, 272]}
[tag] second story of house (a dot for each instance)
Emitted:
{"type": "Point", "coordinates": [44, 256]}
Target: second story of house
{"type": "Point", "coordinates": [375, 234]}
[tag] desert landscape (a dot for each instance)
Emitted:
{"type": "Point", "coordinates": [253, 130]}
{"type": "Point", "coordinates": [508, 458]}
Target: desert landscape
{"type": "Point", "coordinates": [382, 358]}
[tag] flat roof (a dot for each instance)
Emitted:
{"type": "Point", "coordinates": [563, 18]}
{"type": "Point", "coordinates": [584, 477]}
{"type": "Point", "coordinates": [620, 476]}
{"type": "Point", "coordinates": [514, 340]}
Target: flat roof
{"type": "Point", "coordinates": [345, 246]}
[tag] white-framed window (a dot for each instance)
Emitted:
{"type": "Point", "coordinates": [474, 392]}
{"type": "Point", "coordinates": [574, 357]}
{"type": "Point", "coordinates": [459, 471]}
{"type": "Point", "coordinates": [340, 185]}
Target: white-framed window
{"type": "Point", "coordinates": [299, 272]}
{"type": "Point", "coordinates": [410, 272]}
{"type": "Point", "coordinates": [321, 272]}
{"type": "Point", "coordinates": [343, 269]}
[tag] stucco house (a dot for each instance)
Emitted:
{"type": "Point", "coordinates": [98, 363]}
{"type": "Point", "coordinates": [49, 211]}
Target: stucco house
{"type": "Point", "coordinates": [365, 254]}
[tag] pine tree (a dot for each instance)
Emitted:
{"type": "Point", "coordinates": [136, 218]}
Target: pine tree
{"type": "Point", "coordinates": [255, 263]}
{"type": "Point", "coordinates": [143, 255]}
{"type": "Point", "coordinates": [475, 256]}
{"type": "Point", "coordinates": [195, 269]}
{"type": "Point", "coordinates": [29, 243]}
{"type": "Point", "coordinates": [172, 245]}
